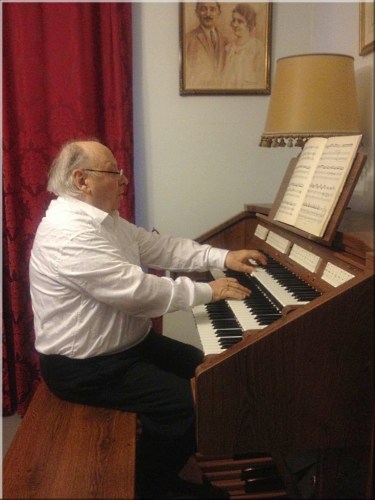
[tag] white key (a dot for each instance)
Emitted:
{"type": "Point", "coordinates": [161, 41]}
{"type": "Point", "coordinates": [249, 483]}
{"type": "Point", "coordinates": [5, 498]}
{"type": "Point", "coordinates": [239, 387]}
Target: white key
{"type": "Point", "coordinates": [274, 288]}
{"type": "Point", "coordinates": [207, 336]}
{"type": "Point", "coordinates": [244, 316]}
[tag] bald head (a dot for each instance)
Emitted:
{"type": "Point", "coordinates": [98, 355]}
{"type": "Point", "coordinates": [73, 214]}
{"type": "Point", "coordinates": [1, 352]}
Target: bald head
{"type": "Point", "coordinates": [94, 150]}
{"type": "Point", "coordinates": [73, 155]}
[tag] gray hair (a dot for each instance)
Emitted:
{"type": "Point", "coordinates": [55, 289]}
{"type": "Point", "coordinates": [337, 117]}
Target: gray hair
{"type": "Point", "coordinates": [72, 155]}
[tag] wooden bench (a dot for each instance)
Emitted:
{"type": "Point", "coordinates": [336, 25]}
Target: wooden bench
{"type": "Point", "coordinates": [66, 450]}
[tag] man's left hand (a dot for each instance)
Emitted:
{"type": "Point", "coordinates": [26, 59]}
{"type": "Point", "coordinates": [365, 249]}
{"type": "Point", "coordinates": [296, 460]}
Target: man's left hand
{"type": "Point", "coordinates": [238, 260]}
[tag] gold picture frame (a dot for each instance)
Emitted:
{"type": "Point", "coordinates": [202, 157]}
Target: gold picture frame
{"type": "Point", "coordinates": [366, 28]}
{"type": "Point", "coordinates": [238, 58]}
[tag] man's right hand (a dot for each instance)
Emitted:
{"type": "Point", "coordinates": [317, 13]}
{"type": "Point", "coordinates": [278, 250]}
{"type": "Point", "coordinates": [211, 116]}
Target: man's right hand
{"type": "Point", "coordinates": [228, 288]}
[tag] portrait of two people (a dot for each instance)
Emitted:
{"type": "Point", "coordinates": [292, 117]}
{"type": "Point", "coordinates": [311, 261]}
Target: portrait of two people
{"type": "Point", "coordinates": [225, 45]}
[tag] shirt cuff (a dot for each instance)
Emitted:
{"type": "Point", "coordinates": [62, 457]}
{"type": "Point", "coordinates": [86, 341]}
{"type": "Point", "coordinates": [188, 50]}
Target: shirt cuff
{"type": "Point", "coordinates": [203, 294]}
{"type": "Point", "coordinates": [216, 258]}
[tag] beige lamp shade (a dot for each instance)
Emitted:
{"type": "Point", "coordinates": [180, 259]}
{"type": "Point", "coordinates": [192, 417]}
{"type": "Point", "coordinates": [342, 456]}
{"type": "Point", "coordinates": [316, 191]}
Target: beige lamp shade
{"type": "Point", "coordinates": [312, 95]}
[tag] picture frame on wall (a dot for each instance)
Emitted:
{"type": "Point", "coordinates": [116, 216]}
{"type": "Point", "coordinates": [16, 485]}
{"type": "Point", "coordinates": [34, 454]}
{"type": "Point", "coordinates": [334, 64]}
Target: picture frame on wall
{"type": "Point", "coordinates": [366, 28]}
{"type": "Point", "coordinates": [225, 48]}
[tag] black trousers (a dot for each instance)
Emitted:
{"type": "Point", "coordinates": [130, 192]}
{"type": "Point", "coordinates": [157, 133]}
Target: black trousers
{"type": "Point", "coordinates": [151, 379]}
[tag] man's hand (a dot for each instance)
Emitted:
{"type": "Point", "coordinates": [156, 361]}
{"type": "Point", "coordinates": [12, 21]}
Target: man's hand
{"type": "Point", "coordinates": [238, 260]}
{"type": "Point", "coordinates": [228, 288]}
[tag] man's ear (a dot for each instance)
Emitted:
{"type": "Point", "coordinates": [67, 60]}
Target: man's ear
{"type": "Point", "coordinates": [80, 180]}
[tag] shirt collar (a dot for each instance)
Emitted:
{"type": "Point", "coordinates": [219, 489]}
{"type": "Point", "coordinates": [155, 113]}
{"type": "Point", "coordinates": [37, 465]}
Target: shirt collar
{"type": "Point", "coordinates": [94, 212]}
{"type": "Point", "coordinates": [207, 31]}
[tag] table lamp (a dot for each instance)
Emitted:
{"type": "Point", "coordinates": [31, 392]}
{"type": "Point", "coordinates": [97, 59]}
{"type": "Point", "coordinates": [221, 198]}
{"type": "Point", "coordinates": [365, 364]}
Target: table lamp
{"type": "Point", "coordinates": [312, 95]}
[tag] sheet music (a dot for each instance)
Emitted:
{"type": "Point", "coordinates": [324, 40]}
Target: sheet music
{"type": "Point", "coordinates": [326, 184]}
{"type": "Point", "coordinates": [299, 182]}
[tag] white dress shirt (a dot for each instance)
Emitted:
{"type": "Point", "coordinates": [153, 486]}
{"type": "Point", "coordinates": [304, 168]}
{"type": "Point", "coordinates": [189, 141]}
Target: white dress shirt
{"type": "Point", "coordinates": [89, 293]}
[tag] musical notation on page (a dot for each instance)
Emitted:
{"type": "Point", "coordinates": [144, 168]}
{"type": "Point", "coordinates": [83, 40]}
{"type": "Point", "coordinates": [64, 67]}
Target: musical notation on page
{"type": "Point", "coordinates": [316, 183]}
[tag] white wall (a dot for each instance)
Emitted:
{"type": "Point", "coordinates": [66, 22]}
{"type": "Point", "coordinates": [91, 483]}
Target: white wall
{"type": "Point", "coordinates": [336, 30]}
{"type": "Point", "coordinates": [197, 160]}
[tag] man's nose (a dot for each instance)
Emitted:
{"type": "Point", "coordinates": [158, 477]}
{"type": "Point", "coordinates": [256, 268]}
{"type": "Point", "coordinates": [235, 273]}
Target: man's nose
{"type": "Point", "coordinates": [123, 179]}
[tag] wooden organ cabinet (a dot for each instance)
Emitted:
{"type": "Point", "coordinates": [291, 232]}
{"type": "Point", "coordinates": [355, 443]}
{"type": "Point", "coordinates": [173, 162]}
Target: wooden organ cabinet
{"type": "Point", "coordinates": [303, 383]}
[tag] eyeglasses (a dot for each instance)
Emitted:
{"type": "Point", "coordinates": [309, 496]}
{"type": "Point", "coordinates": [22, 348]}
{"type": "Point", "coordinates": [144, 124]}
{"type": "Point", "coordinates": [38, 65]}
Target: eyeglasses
{"type": "Point", "coordinates": [115, 172]}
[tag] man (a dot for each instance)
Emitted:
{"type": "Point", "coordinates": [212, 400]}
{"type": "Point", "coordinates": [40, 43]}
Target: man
{"type": "Point", "coordinates": [92, 306]}
{"type": "Point", "coordinates": [205, 48]}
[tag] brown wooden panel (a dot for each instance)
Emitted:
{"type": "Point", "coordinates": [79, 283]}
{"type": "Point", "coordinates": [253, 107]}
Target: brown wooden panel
{"type": "Point", "coordinates": [235, 233]}
{"type": "Point", "coordinates": [303, 382]}
{"type": "Point", "coordinates": [306, 381]}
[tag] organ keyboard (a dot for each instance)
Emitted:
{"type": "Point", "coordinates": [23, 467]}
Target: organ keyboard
{"type": "Point", "coordinates": [300, 379]}
{"type": "Point", "coordinates": [273, 287]}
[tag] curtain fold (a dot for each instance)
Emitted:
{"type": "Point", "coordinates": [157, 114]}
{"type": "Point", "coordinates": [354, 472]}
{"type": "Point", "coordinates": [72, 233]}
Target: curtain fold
{"type": "Point", "coordinates": [67, 74]}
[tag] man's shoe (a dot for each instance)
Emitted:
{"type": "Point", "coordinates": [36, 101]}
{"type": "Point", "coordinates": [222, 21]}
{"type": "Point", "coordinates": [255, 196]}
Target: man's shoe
{"type": "Point", "coordinates": [185, 489]}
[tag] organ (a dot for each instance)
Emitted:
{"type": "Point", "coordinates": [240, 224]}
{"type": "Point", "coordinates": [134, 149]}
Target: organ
{"type": "Point", "coordinates": [301, 381]}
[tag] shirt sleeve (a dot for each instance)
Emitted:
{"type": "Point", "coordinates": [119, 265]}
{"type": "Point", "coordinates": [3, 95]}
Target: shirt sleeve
{"type": "Point", "coordinates": [177, 254]}
{"type": "Point", "coordinates": [96, 268]}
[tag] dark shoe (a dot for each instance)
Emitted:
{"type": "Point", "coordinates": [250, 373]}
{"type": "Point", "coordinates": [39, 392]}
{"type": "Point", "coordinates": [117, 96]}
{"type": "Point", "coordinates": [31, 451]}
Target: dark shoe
{"type": "Point", "coordinates": [264, 484]}
{"type": "Point", "coordinates": [184, 489]}
{"type": "Point", "coordinates": [256, 471]}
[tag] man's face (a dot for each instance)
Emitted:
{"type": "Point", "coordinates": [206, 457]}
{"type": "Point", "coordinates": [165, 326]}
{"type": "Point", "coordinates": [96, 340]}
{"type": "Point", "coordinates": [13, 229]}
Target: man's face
{"type": "Point", "coordinates": [208, 13]}
{"type": "Point", "coordinates": [106, 189]}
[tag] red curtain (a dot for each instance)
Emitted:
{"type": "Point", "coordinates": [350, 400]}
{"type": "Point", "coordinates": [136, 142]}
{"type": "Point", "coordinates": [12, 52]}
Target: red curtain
{"type": "Point", "coordinates": [66, 75]}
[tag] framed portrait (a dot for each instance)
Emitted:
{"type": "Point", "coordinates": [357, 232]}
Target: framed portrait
{"type": "Point", "coordinates": [225, 48]}
{"type": "Point", "coordinates": [366, 28]}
